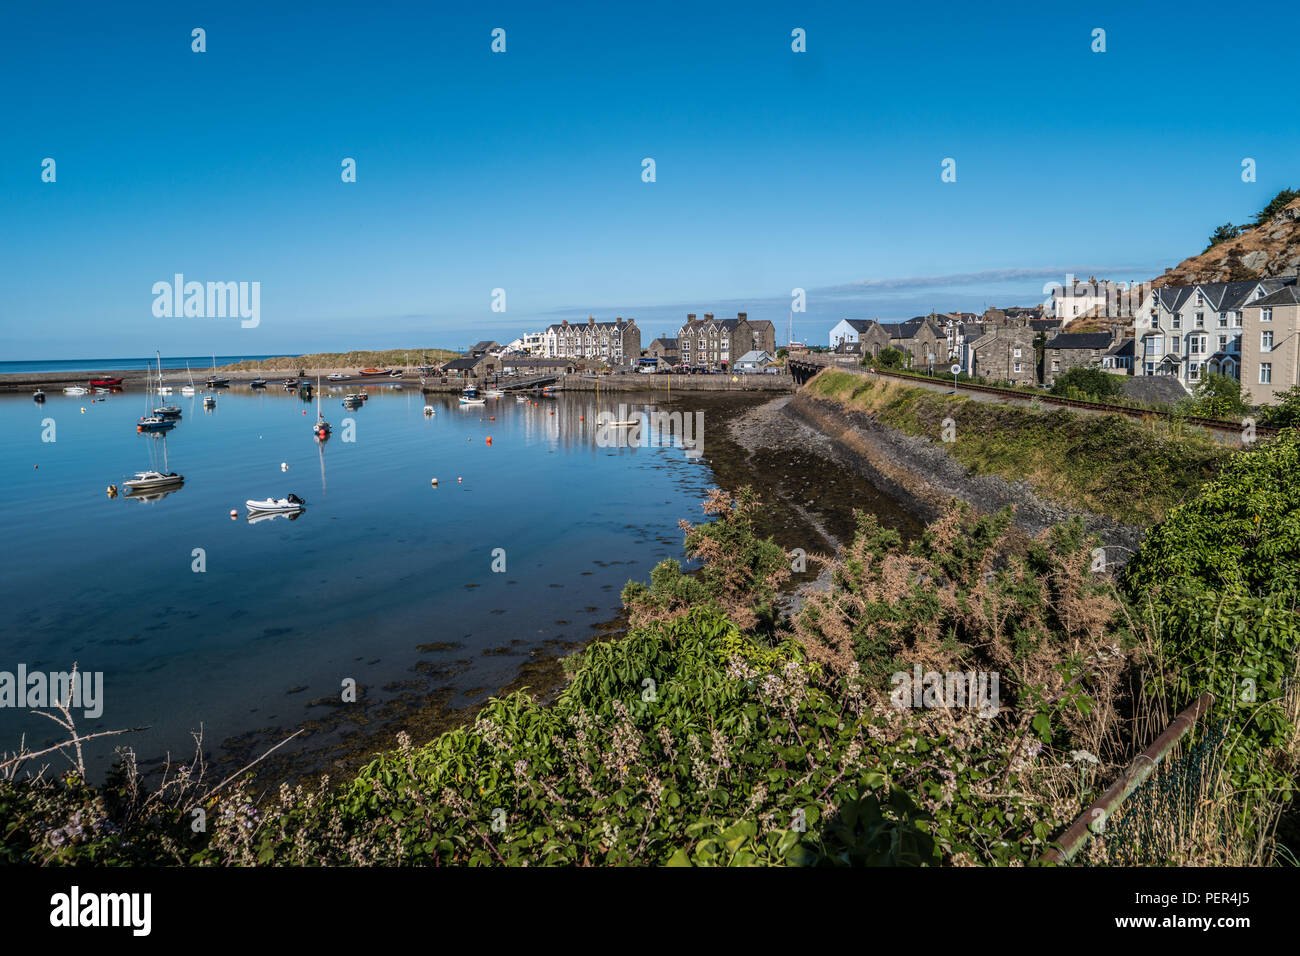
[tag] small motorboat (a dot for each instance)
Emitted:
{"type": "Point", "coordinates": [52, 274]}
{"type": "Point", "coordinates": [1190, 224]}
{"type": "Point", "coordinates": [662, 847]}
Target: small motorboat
{"type": "Point", "coordinates": [152, 480]}
{"type": "Point", "coordinates": [215, 382]}
{"type": "Point", "coordinates": [187, 389]}
{"type": "Point", "coordinates": [75, 390]}
{"type": "Point", "coordinates": [257, 383]}
{"type": "Point", "coordinates": [336, 377]}
{"type": "Point", "coordinates": [38, 396]}
{"type": "Point", "coordinates": [494, 393]}
{"type": "Point", "coordinates": [428, 409]}
{"type": "Point", "coordinates": [396, 373]}
{"type": "Point", "coordinates": [209, 401]}
{"type": "Point", "coordinates": [275, 505]}
{"type": "Point", "coordinates": [168, 411]}
{"type": "Point", "coordinates": [289, 383]}
{"type": "Point", "coordinates": [376, 371]}
{"type": "Point", "coordinates": [105, 382]}
{"type": "Point", "coordinates": [155, 423]}
{"type": "Point", "coordinates": [522, 399]}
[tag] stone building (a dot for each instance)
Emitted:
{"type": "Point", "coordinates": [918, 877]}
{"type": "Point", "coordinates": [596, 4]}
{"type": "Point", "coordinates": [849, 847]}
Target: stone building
{"type": "Point", "coordinates": [665, 350]}
{"type": "Point", "coordinates": [923, 342]}
{"type": "Point", "coordinates": [1004, 353]}
{"type": "Point", "coordinates": [717, 343]}
{"type": "Point", "coordinates": [1068, 350]}
{"type": "Point", "coordinates": [616, 343]}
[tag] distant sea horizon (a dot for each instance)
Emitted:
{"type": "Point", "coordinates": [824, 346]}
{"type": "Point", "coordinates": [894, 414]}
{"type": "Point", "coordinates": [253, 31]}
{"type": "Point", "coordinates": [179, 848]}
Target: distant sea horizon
{"type": "Point", "coordinates": [197, 362]}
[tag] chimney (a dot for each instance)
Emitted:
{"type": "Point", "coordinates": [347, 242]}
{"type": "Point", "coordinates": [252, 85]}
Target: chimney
{"type": "Point", "coordinates": [690, 316]}
{"type": "Point", "coordinates": [742, 316]}
{"type": "Point", "coordinates": [708, 316]}
{"type": "Point", "coordinates": [591, 320]}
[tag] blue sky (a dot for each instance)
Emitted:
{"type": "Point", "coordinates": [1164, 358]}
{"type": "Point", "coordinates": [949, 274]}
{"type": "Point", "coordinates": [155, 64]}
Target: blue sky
{"type": "Point", "coordinates": [522, 170]}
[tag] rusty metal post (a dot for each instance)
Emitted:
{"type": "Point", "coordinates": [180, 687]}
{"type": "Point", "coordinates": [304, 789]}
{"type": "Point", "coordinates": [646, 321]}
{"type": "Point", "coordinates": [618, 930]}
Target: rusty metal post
{"type": "Point", "coordinates": [1076, 835]}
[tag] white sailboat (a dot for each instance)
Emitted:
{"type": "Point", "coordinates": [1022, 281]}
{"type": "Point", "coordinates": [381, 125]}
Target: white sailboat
{"type": "Point", "coordinates": [188, 389]}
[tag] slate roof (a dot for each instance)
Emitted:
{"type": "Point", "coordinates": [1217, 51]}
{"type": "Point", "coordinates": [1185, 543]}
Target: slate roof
{"type": "Point", "coordinates": [1080, 340]}
{"type": "Point", "coordinates": [1287, 295]}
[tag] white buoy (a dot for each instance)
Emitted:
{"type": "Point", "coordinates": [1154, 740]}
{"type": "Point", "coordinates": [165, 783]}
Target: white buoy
{"type": "Point", "coordinates": [434, 482]}
{"type": "Point", "coordinates": [284, 466]}
{"type": "Point", "coordinates": [233, 514]}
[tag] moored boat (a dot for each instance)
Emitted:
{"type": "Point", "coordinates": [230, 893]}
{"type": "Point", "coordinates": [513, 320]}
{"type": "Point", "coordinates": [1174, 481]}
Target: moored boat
{"type": "Point", "coordinates": [105, 382]}
{"type": "Point", "coordinates": [375, 371]}
{"type": "Point", "coordinates": [209, 401]}
{"type": "Point", "coordinates": [258, 383]}
{"type": "Point", "coordinates": [266, 505]}
{"type": "Point", "coordinates": [155, 423]}
{"type": "Point", "coordinates": [38, 396]}
{"type": "Point", "coordinates": [75, 390]}
{"type": "Point", "coordinates": [150, 480]}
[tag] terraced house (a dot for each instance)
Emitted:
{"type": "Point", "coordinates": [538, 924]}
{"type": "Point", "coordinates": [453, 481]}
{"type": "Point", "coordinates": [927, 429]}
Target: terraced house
{"type": "Point", "coordinates": [614, 343]}
{"type": "Point", "coordinates": [1186, 331]}
{"type": "Point", "coordinates": [1270, 345]}
{"type": "Point", "coordinates": [718, 343]}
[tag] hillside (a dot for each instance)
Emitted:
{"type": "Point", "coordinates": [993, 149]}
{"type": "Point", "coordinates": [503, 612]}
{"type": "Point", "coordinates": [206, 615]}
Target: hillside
{"type": "Point", "coordinates": [1262, 251]}
{"type": "Point", "coordinates": [401, 358]}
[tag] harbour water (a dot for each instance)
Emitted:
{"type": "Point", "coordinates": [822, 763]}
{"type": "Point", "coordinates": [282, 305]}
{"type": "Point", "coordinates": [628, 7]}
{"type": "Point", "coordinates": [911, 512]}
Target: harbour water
{"type": "Point", "coordinates": [245, 630]}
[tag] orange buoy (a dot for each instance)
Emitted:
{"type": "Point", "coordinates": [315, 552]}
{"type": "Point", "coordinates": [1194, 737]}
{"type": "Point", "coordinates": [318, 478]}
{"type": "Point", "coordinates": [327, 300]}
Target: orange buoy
{"type": "Point", "coordinates": [492, 419]}
{"type": "Point", "coordinates": [489, 439]}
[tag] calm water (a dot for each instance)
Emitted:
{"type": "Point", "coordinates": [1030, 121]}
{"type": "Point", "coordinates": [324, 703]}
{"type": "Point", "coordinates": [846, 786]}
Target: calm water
{"type": "Point", "coordinates": [379, 564]}
{"type": "Point", "coordinates": [201, 364]}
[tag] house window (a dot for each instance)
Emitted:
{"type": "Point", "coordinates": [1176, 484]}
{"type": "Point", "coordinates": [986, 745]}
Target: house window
{"type": "Point", "coordinates": [1223, 342]}
{"type": "Point", "coordinates": [1197, 344]}
{"type": "Point", "coordinates": [1056, 365]}
{"type": "Point", "coordinates": [1236, 320]}
{"type": "Point", "coordinates": [1194, 371]}
{"type": "Point", "coordinates": [1017, 367]}
{"type": "Point", "coordinates": [1223, 320]}
{"type": "Point", "coordinates": [1178, 320]}
{"type": "Point", "coordinates": [1266, 341]}
{"type": "Point", "coordinates": [1156, 344]}
{"type": "Point", "coordinates": [1016, 353]}
{"type": "Point", "coordinates": [1200, 320]}
{"type": "Point", "coordinates": [1266, 315]}
{"type": "Point", "coordinates": [1265, 373]}
{"type": "Point", "coordinates": [1174, 343]}
{"type": "Point", "coordinates": [1150, 368]}
{"type": "Point", "coordinates": [1200, 298]}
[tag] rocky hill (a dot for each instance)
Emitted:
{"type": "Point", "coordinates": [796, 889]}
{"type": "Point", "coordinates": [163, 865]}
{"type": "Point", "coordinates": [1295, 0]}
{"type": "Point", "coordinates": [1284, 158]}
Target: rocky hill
{"type": "Point", "coordinates": [1270, 248]}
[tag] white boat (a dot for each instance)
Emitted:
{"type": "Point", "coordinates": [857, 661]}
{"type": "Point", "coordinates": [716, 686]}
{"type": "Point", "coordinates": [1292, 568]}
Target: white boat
{"type": "Point", "coordinates": [336, 377]}
{"type": "Point", "coordinates": [275, 505]}
{"type": "Point", "coordinates": [472, 401]}
{"type": "Point", "coordinates": [521, 398]}
{"type": "Point", "coordinates": [494, 393]}
{"type": "Point", "coordinates": [75, 390]}
{"type": "Point", "coordinates": [428, 409]}
{"type": "Point", "coordinates": [209, 401]}
{"type": "Point", "coordinates": [188, 389]}
{"type": "Point", "coordinates": [148, 480]}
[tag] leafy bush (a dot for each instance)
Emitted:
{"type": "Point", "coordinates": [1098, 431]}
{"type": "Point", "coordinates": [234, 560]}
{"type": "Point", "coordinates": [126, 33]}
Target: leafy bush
{"type": "Point", "coordinates": [1089, 381]}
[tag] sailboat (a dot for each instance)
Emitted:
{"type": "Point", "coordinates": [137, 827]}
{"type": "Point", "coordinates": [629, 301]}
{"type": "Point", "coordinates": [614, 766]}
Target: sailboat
{"type": "Point", "coordinates": [166, 411]}
{"type": "Point", "coordinates": [322, 428]}
{"type": "Point", "coordinates": [188, 389]}
{"type": "Point", "coordinates": [152, 422]}
{"type": "Point", "coordinates": [213, 380]}
{"type": "Point", "coordinates": [152, 480]}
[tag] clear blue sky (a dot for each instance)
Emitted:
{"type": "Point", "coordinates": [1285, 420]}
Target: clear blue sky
{"type": "Point", "coordinates": [523, 171]}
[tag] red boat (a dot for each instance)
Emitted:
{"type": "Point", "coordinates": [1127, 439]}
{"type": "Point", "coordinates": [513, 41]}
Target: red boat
{"type": "Point", "coordinates": [106, 382]}
{"type": "Point", "coordinates": [375, 371]}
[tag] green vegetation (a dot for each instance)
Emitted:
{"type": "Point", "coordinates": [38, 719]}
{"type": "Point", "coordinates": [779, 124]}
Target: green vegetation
{"type": "Point", "coordinates": [1223, 234]}
{"type": "Point", "coordinates": [1215, 396]}
{"type": "Point", "coordinates": [1129, 471]}
{"type": "Point", "coordinates": [1085, 383]}
{"type": "Point", "coordinates": [720, 733]}
{"type": "Point", "coordinates": [889, 357]}
{"type": "Point", "coordinates": [399, 358]}
{"type": "Point", "coordinates": [1284, 412]}
{"type": "Point", "coordinates": [1275, 205]}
